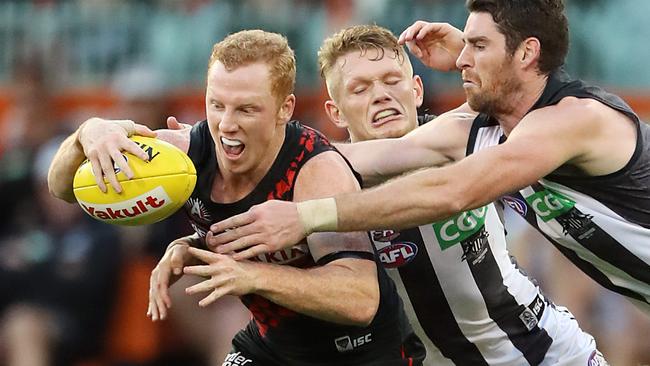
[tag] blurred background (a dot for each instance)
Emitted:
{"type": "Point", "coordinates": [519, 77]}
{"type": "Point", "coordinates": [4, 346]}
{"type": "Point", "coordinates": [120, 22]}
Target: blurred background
{"type": "Point", "coordinates": [74, 292]}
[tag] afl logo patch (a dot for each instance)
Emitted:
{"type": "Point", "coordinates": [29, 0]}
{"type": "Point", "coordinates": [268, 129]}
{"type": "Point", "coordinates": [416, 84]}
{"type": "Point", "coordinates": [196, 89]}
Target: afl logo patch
{"type": "Point", "coordinates": [398, 254]}
{"type": "Point", "coordinates": [516, 204]}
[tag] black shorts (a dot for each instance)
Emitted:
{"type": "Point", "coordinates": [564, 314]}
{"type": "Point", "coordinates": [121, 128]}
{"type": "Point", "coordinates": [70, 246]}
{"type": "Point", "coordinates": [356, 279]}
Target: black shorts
{"type": "Point", "coordinates": [246, 352]}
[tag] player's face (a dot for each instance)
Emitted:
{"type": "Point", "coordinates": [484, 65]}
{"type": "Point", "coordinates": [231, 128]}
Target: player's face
{"type": "Point", "coordinates": [374, 98]}
{"type": "Point", "coordinates": [244, 117]}
{"type": "Point", "coordinates": [489, 77]}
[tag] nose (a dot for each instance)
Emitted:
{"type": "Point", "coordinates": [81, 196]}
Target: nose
{"type": "Point", "coordinates": [381, 94]}
{"type": "Point", "coordinates": [463, 60]}
{"type": "Point", "coordinates": [228, 122]}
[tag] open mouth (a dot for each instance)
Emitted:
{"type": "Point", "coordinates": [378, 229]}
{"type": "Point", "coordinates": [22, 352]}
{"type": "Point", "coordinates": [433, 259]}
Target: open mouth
{"type": "Point", "coordinates": [232, 148]}
{"type": "Point", "coordinates": [385, 115]}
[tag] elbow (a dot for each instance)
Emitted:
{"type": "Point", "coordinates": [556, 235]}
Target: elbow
{"type": "Point", "coordinates": [60, 192]}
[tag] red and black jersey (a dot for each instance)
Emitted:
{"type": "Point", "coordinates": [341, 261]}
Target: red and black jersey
{"type": "Point", "coordinates": [282, 333]}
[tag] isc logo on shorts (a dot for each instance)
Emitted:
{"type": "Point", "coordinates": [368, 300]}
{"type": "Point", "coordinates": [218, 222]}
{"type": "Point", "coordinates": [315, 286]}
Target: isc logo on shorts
{"type": "Point", "coordinates": [346, 344]}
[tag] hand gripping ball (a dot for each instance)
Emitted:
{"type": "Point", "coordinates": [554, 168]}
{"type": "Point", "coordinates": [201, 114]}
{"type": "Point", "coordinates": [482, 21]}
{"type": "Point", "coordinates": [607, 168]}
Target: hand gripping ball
{"type": "Point", "coordinates": [159, 187]}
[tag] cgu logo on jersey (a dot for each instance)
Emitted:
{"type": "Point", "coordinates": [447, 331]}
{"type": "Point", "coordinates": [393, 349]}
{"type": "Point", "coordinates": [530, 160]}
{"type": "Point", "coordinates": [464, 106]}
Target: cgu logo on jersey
{"type": "Point", "coordinates": [548, 204]}
{"type": "Point", "coordinates": [145, 204]}
{"type": "Point", "coordinates": [398, 254]}
{"type": "Point", "coordinates": [284, 256]}
{"type": "Point", "coordinates": [384, 235]}
{"type": "Point", "coordinates": [459, 227]}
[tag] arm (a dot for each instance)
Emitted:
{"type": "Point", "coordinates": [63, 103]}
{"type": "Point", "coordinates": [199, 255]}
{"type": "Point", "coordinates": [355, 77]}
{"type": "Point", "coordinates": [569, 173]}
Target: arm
{"type": "Point", "coordinates": [437, 143]}
{"type": "Point", "coordinates": [103, 141]}
{"type": "Point", "coordinates": [344, 290]}
{"type": "Point", "coordinates": [576, 132]}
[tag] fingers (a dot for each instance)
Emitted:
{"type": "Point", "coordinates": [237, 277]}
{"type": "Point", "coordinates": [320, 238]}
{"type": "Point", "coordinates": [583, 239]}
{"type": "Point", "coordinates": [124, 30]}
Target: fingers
{"type": "Point", "coordinates": [177, 259]}
{"type": "Point", "coordinates": [409, 33]}
{"type": "Point", "coordinates": [133, 148]}
{"type": "Point", "coordinates": [97, 173]}
{"type": "Point", "coordinates": [143, 130]}
{"type": "Point", "coordinates": [203, 255]}
{"type": "Point", "coordinates": [232, 222]}
{"type": "Point", "coordinates": [174, 124]}
{"type": "Point", "coordinates": [203, 271]}
{"type": "Point", "coordinates": [233, 244]}
{"type": "Point", "coordinates": [252, 252]}
{"type": "Point", "coordinates": [214, 296]}
{"type": "Point", "coordinates": [109, 172]}
{"type": "Point", "coordinates": [159, 299]}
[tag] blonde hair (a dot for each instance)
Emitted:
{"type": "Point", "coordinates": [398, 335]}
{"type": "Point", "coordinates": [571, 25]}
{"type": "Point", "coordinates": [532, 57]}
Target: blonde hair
{"type": "Point", "coordinates": [359, 38]}
{"type": "Point", "coordinates": [250, 46]}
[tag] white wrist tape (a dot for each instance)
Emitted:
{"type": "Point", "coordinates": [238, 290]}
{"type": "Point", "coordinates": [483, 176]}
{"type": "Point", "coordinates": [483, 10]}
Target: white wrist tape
{"type": "Point", "coordinates": [318, 215]}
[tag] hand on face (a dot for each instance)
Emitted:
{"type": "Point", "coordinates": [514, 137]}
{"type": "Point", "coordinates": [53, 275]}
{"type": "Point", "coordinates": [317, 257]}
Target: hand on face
{"type": "Point", "coordinates": [103, 142]}
{"type": "Point", "coordinates": [225, 276]}
{"type": "Point", "coordinates": [437, 45]}
{"type": "Point", "coordinates": [165, 274]}
{"type": "Point", "coordinates": [264, 228]}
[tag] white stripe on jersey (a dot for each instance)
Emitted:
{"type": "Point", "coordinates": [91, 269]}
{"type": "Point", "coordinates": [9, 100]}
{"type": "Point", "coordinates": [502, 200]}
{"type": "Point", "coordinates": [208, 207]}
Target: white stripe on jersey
{"type": "Point", "coordinates": [470, 310]}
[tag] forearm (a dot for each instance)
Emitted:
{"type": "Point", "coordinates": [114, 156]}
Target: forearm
{"type": "Point", "coordinates": [64, 165]}
{"type": "Point", "coordinates": [408, 201]}
{"type": "Point", "coordinates": [344, 291]}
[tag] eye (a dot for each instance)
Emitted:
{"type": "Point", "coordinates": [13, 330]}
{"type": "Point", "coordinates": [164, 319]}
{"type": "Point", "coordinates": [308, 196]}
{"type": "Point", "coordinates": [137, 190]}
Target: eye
{"type": "Point", "coordinates": [393, 81]}
{"type": "Point", "coordinates": [359, 90]}
{"type": "Point", "coordinates": [479, 47]}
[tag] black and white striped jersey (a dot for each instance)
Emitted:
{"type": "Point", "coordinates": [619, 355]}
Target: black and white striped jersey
{"type": "Point", "coordinates": [601, 224]}
{"type": "Point", "coordinates": [468, 301]}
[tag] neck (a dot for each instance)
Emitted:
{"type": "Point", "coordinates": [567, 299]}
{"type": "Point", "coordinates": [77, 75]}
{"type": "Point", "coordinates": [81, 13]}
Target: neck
{"type": "Point", "coordinates": [229, 186]}
{"type": "Point", "coordinates": [523, 101]}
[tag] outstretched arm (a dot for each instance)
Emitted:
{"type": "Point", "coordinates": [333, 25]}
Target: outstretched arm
{"type": "Point", "coordinates": [439, 142]}
{"type": "Point", "coordinates": [573, 132]}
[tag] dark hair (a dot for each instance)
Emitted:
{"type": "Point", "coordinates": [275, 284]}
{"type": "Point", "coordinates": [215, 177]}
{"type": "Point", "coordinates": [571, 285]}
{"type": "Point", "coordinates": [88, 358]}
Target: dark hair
{"type": "Point", "coordinates": [520, 19]}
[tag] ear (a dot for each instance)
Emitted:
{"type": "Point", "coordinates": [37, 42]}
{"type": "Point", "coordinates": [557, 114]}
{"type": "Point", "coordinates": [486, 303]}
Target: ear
{"type": "Point", "coordinates": [286, 109]}
{"type": "Point", "coordinates": [334, 113]}
{"type": "Point", "coordinates": [418, 90]}
{"type": "Point", "coordinates": [529, 52]}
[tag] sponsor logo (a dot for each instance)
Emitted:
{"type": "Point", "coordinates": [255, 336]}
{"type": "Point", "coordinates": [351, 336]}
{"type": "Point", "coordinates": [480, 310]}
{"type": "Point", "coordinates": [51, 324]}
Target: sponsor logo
{"type": "Point", "coordinates": [398, 254]}
{"type": "Point", "coordinates": [236, 359]}
{"type": "Point", "coordinates": [145, 204]}
{"type": "Point", "coordinates": [197, 210]}
{"type": "Point", "coordinates": [548, 204]}
{"type": "Point", "coordinates": [475, 247]}
{"type": "Point", "coordinates": [516, 204]}
{"type": "Point", "coordinates": [576, 224]}
{"type": "Point", "coordinates": [460, 227]}
{"type": "Point", "coordinates": [528, 318]}
{"type": "Point", "coordinates": [384, 235]}
{"type": "Point", "coordinates": [284, 256]}
{"type": "Point", "coordinates": [346, 344]}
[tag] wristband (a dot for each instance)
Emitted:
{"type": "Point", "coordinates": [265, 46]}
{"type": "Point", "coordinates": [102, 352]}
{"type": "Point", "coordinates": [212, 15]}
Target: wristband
{"type": "Point", "coordinates": [318, 215]}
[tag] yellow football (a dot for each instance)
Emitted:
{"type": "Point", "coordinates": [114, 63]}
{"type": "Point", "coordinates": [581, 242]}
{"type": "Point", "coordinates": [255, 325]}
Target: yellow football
{"type": "Point", "coordinates": [159, 187]}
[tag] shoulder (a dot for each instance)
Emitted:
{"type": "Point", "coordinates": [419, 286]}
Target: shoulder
{"type": "Point", "coordinates": [324, 175]}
